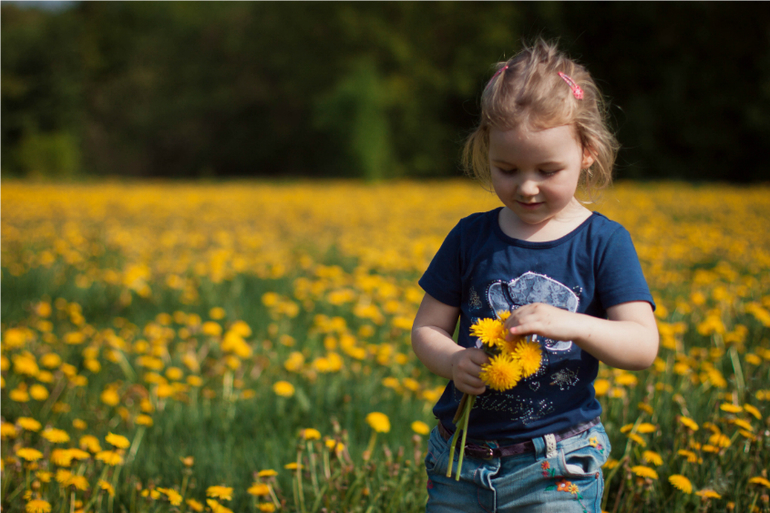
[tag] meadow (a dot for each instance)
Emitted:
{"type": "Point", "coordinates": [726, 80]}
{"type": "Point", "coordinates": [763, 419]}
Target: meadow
{"type": "Point", "coordinates": [244, 346]}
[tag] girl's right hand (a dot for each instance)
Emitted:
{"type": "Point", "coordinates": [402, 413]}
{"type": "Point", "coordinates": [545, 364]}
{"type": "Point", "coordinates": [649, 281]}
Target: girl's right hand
{"type": "Point", "coordinates": [466, 367]}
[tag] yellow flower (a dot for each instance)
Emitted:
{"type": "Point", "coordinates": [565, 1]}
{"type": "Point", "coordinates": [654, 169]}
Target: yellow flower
{"type": "Point", "coordinates": [753, 411]}
{"type": "Point", "coordinates": [110, 397]}
{"type": "Point", "coordinates": [268, 507]}
{"type": "Point", "coordinates": [90, 443]}
{"type": "Point", "coordinates": [652, 457]}
{"type": "Point", "coordinates": [194, 505]}
{"type": "Point", "coordinates": [646, 427]}
{"type": "Point", "coordinates": [489, 331]}
{"type": "Point", "coordinates": [55, 436]}
{"type": "Point", "coordinates": [187, 461]}
{"type": "Point", "coordinates": [144, 420]}
{"type": "Point", "coordinates": [62, 476]}
{"type": "Point", "coordinates": [173, 496]}
{"type": "Point", "coordinates": [220, 492]}
{"type": "Point", "coordinates": [267, 473]}
{"type": "Point", "coordinates": [730, 408]}
{"type": "Point", "coordinates": [378, 421]}
{"type": "Point", "coordinates": [79, 482]}
{"type": "Point", "coordinates": [107, 487]}
{"type": "Point", "coordinates": [681, 482]}
{"type": "Point", "coordinates": [529, 356]}
{"type": "Point", "coordinates": [421, 428]}
{"type": "Point", "coordinates": [760, 481]}
{"type": "Point", "coordinates": [708, 494]}
{"type": "Point", "coordinates": [292, 466]}
{"type": "Point", "coordinates": [121, 442]}
{"type": "Point", "coordinates": [217, 507]}
{"type": "Point", "coordinates": [642, 471]}
{"type": "Point", "coordinates": [310, 434]}
{"type": "Point", "coordinates": [259, 489]}
{"type": "Point", "coordinates": [110, 458]}
{"type": "Point", "coordinates": [37, 506]}
{"type": "Point", "coordinates": [211, 329]}
{"type": "Point", "coordinates": [38, 392]}
{"type": "Point", "coordinates": [501, 373]}
{"type": "Point", "coordinates": [283, 388]}
{"type": "Point", "coordinates": [688, 422]}
{"type": "Point", "coordinates": [29, 424]}
{"type": "Point", "coordinates": [29, 454]}
{"type": "Point", "coordinates": [61, 457]}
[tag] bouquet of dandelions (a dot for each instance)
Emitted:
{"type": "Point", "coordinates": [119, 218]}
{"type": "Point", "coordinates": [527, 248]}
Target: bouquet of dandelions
{"type": "Point", "coordinates": [510, 362]}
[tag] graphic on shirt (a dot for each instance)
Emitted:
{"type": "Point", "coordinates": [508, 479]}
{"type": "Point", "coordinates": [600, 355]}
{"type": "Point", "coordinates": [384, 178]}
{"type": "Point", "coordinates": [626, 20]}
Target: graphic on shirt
{"type": "Point", "coordinates": [529, 288]}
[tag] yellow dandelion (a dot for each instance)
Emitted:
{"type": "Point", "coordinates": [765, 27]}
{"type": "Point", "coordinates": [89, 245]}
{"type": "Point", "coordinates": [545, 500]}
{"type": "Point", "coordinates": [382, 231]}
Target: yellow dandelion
{"type": "Point", "coordinates": [61, 457]}
{"type": "Point", "coordinates": [421, 428]}
{"type": "Point", "coordinates": [489, 331]}
{"type": "Point", "coordinates": [90, 443]}
{"type": "Point", "coordinates": [378, 422]}
{"type": "Point", "coordinates": [143, 420]}
{"type": "Point", "coordinates": [310, 434]}
{"type": "Point", "coordinates": [689, 423]}
{"type": "Point", "coordinates": [638, 439]}
{"type": "Point", "coordinates": [601, 387]}
{"type": "Point", "coordinates": [220, 492]}
{"type": "Point", "coordinates": [267, 473]}
{"type": "Point", "coordinates": [283, 388]}
{"type": "Point", "coordinates": [62, 476]}
{"type": "Point", "coordinates": [268, 507]}
{"type": "Point", "coordinates": [29, 424]}
{"type": "Point", "coordinates": [708, 494]}
{"type": "Point", "coordinates": [79, 424]}
{"type": "Point", "coordinates": [710, 448]}
{"type": "Point", "coordinates": [753, 411]}
{"type": "Point", "coordinates": [646, 427]}
{"type": "Point", "coordinates": [293, 466]}
{"type": "Point", "coordinates": [529, 356]}
{"type": "Point", "coordinates": [110, 397]}
{"type": "Point", "coordinates": [760, 481]}
{"type": "Point", "coordinates": [259, 489]}
{"type": "Point", "coordinates": [501, 373]}
{"type": "Point", "coordinates": [652, 457]}
{"type": "Point", "coordinates": [730, 408]}
{"type": "Point", "coordinates": [742, 424]}
{"type": "Point", "coordinates": [78, 454]}
{"type": "Point", "coordinates": [110, 458]}
{"type": "Point", "coordinates": [55, 436]}
{"type": "Point", "coordinates": [217, 507]}
{"type": "Point", "coordinates": [187, 461]}
{"type": "Point", "coordinates": [107, 487]}
{"type": "Point", "coordinates": [719, 440]}
{"type": "Point", "coordinates": [642, 471]}
{"type": "Point", "coordinates": [8, 430]}
{"type": "Point", "coordinates": [43, 476]}
{"type": "Point", "coordinates": [29, 454]}
{"type": "Point", "coordinates": [79, 482]}
{"type": "Point", "coordinates": [194, 505]}
{"type": "Point", "coordinates": [37, 506]}
{"type": "Point", "coordinates": [680, 482]}
{"type": "Point", "coordinates": [121, 442]}
{"type": "Point", "coordinates": [173, 496]}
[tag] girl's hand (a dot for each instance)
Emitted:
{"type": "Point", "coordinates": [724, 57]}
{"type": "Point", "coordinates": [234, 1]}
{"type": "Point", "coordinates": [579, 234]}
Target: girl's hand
{"type": "Point", "coordinates": [543, 320]}
{"type": "Point", "coordinates": [466, 367]}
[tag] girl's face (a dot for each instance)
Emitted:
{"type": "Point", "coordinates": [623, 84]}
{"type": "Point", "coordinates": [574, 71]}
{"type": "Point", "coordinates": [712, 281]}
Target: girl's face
{"type": "Point", "coordinates": [535, 172]}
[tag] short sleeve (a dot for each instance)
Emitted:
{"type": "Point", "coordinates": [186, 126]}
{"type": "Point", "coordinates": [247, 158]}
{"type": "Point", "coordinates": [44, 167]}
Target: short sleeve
{"type": "Point", "coordinates": [619, 277]}
{"type": "Point", "coordinates": [443, 278]}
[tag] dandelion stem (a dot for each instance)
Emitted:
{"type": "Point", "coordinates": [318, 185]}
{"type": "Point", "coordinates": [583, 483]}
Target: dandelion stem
{"type": "Point", "coordinates": [466, 417]}
{"type": "Point", "coordinates": [739, 380]}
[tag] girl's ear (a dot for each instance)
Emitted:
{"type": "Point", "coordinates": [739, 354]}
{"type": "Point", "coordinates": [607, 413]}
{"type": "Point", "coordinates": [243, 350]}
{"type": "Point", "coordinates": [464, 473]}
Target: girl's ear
{"type": "Point", "coordinates": [588, 158]}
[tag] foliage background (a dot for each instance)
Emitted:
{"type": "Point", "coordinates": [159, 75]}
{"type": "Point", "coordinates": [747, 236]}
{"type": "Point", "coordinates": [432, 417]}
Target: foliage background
{"type": "Point", "coordinates": [375, 90]}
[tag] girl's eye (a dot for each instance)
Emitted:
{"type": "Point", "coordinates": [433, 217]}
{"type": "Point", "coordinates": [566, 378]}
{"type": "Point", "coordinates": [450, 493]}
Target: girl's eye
{"type": "Point", "coordinates": [548, 173]}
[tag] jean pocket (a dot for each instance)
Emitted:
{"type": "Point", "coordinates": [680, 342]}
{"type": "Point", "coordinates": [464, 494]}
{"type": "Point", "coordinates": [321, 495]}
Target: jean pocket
{"type": "Point", "coordinates": [585, 455]}
{"type": "Point", "coordinates": [438, 452]}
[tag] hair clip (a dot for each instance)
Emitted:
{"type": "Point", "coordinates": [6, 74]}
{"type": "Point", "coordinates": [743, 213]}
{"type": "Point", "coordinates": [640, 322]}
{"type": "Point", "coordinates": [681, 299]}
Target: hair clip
{"type": "Point", "coordinates": [577, 92]}
{"type": "Point", "coordinates": [498, 72]}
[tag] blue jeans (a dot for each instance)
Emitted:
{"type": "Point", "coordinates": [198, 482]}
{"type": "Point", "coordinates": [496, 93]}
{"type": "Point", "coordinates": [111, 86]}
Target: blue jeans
{"type": "Point", "coordinates": [569, 479]}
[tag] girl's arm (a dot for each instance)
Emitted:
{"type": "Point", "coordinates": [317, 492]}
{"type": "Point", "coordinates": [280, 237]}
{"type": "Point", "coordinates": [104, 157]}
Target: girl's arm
{"type": "Point", "coordinates": [432, 342]}
{"type": "Point", "coordinates": [627, 339]}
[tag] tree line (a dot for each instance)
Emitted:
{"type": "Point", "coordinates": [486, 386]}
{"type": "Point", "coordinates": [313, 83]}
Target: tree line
{"type": "Point", "coordinates": [373, 90]}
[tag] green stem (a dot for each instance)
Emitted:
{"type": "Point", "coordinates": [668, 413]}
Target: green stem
{"type": "Point", "coordinates": [466, 418]}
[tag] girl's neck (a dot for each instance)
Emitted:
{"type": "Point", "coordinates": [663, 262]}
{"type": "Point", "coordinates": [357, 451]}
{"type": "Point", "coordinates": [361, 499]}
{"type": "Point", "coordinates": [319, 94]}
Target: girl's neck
{"type": "Point", "coordinates": [552, 229]}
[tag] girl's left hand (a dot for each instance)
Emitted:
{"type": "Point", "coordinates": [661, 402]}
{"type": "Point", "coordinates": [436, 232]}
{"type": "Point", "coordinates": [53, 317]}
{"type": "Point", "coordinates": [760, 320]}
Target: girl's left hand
{"type": "Point", "coordinates": [543, 320]}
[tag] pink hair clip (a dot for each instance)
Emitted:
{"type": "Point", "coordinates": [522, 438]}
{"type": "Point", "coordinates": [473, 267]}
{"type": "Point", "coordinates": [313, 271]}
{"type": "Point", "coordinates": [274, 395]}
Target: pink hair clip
{"type": "Point", "coordinates": [577, 92]}
{"type": "Point", "coordinates": [498, 72]}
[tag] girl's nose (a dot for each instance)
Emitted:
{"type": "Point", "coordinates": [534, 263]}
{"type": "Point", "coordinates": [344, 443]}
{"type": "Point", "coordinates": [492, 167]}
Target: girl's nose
{"type": "Point", "coordinates": [528, 188]}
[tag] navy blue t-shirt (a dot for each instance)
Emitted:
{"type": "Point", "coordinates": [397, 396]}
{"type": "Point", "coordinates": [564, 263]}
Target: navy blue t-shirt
{"type": "Point", "coordinates": [482, 271]}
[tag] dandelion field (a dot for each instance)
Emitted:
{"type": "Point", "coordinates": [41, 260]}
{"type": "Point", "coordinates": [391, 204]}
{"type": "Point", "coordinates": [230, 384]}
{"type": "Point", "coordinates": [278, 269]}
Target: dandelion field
{"type": "Point", "coordinates": [245, 346]}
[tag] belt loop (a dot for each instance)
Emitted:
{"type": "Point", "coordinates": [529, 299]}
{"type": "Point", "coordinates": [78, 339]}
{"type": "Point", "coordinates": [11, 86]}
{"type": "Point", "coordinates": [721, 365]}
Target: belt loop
{"type": "Point", "coordinates": [550, 444]}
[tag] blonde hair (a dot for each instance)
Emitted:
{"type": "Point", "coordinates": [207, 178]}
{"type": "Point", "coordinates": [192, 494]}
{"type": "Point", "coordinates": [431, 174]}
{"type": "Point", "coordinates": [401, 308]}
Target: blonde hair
{"type": "Point", "coordinates": [528, 90]}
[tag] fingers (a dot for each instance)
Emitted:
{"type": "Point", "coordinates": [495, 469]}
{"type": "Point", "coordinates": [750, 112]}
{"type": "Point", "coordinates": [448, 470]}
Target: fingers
{"type": "Point", "coordinates": [466, 369]}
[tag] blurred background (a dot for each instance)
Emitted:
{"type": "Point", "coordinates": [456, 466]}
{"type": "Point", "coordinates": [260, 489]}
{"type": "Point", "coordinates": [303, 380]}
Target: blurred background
{"type": "Point", "coordinates": [371, 90]}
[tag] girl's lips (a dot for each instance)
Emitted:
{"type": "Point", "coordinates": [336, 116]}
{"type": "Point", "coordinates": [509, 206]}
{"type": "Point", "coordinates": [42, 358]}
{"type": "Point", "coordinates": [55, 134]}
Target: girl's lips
{"type": "Point", "coordinates": [529, 205]}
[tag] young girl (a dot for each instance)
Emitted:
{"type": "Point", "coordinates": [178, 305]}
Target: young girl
{"type": "Point", "coordinates": [567, 275]}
